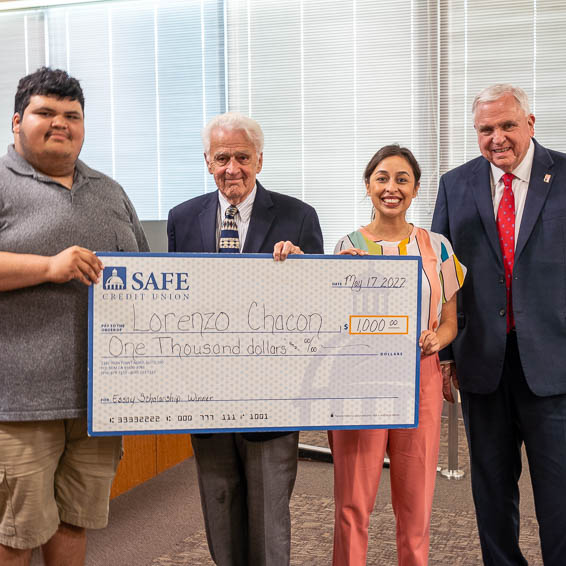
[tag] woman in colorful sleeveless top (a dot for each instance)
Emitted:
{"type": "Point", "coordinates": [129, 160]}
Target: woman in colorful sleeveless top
{"type": "Point", "coordinates": [392, 182]}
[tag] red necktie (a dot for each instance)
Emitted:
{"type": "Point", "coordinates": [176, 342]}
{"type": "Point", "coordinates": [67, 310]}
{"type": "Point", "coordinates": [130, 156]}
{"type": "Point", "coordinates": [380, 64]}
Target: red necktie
{"type": "Point", "coordinates": [506, 229]}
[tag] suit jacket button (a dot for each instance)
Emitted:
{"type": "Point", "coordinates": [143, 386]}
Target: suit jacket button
{"type": "Point", "coordinates": [502, 312]}
{"type": "Point", "coordinates": [501, 279]}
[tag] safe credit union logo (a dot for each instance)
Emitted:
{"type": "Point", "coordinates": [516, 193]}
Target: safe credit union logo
{"type": "Point", "coordinates": [114, 278]}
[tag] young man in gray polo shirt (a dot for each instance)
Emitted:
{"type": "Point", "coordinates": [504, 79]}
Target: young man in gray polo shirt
{"type": "Point", "coordinates": [54, 480]}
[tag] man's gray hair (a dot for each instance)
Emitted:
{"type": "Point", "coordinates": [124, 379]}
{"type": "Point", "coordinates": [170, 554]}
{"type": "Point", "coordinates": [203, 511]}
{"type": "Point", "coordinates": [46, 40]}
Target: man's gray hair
{"type": "Point", "coordinates": [233, 121]}
{"type": "Point", "coordinates": [493, 92]}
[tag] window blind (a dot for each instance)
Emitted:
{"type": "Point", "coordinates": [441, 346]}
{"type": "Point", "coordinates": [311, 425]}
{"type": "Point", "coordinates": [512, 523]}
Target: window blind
{"type": "Point", "coordinates": [330, 81]}
{"type": "Point", "coordinates": [152, 74]}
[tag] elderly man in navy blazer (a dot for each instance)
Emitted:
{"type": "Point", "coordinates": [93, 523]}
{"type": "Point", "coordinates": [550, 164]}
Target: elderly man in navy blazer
{"type": "Point", "coordinates": [245, 480]}
{"type": "Point", "coordinates": [505, 214]}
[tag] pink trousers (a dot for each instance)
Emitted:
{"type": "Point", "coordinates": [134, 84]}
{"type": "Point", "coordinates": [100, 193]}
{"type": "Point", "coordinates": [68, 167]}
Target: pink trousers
{"type": "Point", "coordinates": [358, 461]}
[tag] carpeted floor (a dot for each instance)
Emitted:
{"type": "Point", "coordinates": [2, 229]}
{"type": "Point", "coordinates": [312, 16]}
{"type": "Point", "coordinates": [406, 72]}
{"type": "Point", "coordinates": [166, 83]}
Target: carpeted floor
{"type": "Point", "coordinates": [160, 522]}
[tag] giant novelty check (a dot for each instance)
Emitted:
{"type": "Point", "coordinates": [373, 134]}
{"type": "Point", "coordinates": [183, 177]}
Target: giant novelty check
{"type": "Point", "coordinates": [216, 343]}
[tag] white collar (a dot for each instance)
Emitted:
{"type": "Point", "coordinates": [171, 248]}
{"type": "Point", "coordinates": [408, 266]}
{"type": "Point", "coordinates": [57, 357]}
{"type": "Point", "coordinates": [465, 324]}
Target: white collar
{"type": "Point", "coordinates": [522, 171]}
{"type": "Point", "coordinates": [244, 208]}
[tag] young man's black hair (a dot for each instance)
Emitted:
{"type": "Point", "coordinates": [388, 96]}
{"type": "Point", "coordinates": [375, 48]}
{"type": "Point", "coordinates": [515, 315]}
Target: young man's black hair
{"type": "Point", "coordinates": [47, 82]}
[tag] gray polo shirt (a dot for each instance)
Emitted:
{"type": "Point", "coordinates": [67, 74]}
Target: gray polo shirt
{"type": "Point", "coordinates": [43, 329]}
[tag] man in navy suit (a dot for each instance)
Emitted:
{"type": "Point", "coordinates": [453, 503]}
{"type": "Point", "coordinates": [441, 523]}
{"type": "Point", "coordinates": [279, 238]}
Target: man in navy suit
{"type": "Point", "coordinates": [510, 354]}
{"type": "Point", "coordinates": [245, 480]}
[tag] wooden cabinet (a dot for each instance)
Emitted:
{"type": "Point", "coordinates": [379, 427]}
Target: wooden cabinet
{"type": "Point", "coordinates": [147, 455]}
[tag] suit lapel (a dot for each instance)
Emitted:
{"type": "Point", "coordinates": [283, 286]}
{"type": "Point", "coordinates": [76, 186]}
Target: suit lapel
{"type": "Point", "coordinates": [260, 221]}
{"type": "Point", "coordinates": [207, 220]}
{"type": "Point", "coordinates": [479, 183]}
{"type": "Point", "coordinates": [536, 195]}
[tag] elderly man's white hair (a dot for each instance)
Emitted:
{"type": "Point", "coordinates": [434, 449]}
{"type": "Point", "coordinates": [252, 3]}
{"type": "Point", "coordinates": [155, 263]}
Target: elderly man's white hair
{"type": "Point", "coordinates": [493, 92]}
{"type": "Point", "coordinates": [234, 121]}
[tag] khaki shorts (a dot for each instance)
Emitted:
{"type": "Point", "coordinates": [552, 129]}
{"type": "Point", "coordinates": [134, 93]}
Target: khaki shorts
{"type": "Point", "coordinates": [52, 472]}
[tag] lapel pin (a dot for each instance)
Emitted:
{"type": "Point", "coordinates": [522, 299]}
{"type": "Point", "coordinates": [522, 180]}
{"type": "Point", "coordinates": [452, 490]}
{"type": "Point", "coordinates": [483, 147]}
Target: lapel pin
{"type": "Point", "coordinates": [547, 178]}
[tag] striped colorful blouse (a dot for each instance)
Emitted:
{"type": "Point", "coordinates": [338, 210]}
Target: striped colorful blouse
{"type": "Point", "coordinates": [443, 274]}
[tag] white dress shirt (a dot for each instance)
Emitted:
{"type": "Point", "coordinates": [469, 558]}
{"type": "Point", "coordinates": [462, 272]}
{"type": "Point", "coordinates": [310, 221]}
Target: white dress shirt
{"type": "Point", "coordinates": [520, 186]}
{"type": "Point", "coordinates": [242, 218]}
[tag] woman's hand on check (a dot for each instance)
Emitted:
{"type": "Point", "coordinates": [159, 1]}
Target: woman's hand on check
{"type": "Point", "coordinates": [353, 251]}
